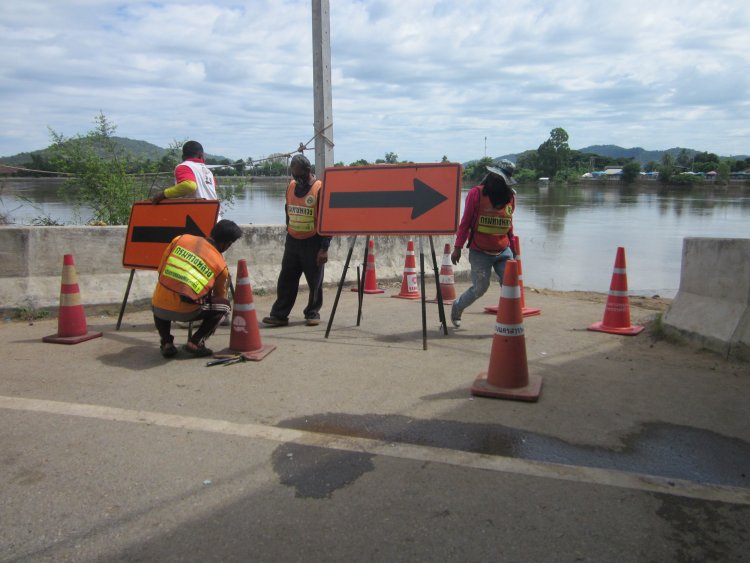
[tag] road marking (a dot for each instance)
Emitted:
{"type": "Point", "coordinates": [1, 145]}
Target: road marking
{"type": "Point", "coordinates": [501, 464]}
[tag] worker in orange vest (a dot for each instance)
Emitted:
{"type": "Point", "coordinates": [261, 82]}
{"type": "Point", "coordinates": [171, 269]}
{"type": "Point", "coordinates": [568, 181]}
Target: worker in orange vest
{"type": "Point", "coordinates": [192, 285]}
{"type": "Point", "coordinates": [487, 225]}
{"type": "Point", "coordinates": [305, 251]}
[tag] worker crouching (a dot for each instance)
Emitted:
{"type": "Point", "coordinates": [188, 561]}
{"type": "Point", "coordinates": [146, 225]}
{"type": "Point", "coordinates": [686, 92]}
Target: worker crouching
{"type": "Point", "coordinates": [192, 285]}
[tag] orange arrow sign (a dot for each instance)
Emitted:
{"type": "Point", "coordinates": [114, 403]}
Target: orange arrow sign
{"type": "Point", "coordinates": [152, 228]}
{"type": "Point", "coordinates": [408, 199]}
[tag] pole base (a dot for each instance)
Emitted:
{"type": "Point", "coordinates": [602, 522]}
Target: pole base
{"type": "Point", "coordinates": [253, 355]}
{"type": "Point", "coordinates": [530, 393]}
{"type": "Point", "coordinates": [55, 339]}
{"type": "Point", "coordinates": [370, 291]}
{"type": "Point", "coordinates": [525, 311]}
{"type": "Point", "coordinates": [417, 296]}
{"type": "Point", "coordinates": [626, 331]}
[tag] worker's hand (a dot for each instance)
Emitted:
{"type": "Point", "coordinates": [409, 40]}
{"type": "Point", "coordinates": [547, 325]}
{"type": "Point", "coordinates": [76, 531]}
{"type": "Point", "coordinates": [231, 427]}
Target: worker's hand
{"type": "Point", "coordinates": [158, 196]}
{"type": "Point", "coordinates": [322, 257]}
{"type": "Point", "coordinates": [456, 256]}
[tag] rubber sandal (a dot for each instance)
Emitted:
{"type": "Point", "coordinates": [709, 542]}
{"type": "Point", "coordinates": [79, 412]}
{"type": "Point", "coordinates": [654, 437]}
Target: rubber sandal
{"type": "Point", "coordinates": [168, 350]}
{"type": "Point", "coordinates": [273, 321]}
{"type": "Point", "coordinates": [199, 352]}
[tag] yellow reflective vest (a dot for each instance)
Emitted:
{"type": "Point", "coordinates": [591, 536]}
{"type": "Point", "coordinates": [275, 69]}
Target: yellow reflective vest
{"type": "Point", "coordinates": [302, 211]}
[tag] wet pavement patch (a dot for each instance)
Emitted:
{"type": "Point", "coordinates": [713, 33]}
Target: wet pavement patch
{"type": "Point", "coordinates": [318, 472]}
{"type": "Point", "coordinates": [654, 448]}
{"type": "Point", "coordinates": [705, 530]}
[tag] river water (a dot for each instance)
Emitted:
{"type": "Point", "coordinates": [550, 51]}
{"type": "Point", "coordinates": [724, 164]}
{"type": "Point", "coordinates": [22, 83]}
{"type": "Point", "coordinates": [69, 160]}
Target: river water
{"type": "Point", "coordinates": [569, 236]}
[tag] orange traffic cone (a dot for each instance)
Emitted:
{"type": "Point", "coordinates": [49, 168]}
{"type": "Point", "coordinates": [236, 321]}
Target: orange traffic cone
{"type": "Point", "coordinates": [617, 312]}
{"type": "Point", "coordinates": [525, 311]}
{"type": "Point", "coordinates": [447, 287]}
{"type": "Point", "coordinates": [244, 338]}
{"type": "Point", "coordinates": [371, 281]}
{"type": "Point", "coordinates": [409, 286]}
{"type": "Point", "coordinates": [508, 374]}
{"type": "Point", "coordinates": [71, 319]}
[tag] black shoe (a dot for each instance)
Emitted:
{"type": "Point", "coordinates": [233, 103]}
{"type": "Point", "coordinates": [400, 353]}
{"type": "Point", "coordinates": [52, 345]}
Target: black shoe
{"type": "Point", "coordinates": [273, 321]}
{"type": "Point", "coordinates": [199, 351]}
{"type": "Point", "coordinates": [312, 321]}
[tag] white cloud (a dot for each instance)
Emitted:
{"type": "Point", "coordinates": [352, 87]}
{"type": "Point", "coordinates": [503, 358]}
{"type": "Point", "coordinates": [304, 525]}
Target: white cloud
{"type": "Point", "coordinates": [421, 78]}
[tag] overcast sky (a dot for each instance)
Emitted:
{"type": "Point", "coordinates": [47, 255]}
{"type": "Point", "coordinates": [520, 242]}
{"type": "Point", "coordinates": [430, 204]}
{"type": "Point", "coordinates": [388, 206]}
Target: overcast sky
{"type": "Point", "coordinates": [421, 78]}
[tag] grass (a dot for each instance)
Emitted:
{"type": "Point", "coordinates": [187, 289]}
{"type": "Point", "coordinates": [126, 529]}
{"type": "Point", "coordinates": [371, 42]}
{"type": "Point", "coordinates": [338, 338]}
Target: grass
{"type": "Point", "coordinates": [30, 314]}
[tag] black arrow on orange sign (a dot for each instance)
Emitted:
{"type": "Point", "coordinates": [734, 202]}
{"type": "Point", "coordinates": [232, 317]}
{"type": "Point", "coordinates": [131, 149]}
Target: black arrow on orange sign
{"type": "Point", "coordinates": [421, 199]}
{"type": "Point", "coordinates": [166, 234]}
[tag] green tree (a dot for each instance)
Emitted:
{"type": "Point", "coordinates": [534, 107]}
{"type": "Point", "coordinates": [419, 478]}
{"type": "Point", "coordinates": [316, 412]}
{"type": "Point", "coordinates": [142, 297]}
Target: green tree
{"type": "Point", "coordinates": [360, 162]}
{"type": "Point", "coordinates": [651, 166]}
{"type": "Point", "coordinates": [527, 160]}
{"type": "Point", "coordinates": [683, 159]}
{"type": "Point", "coordinates": [100, 172]}
{"type": "Point", "coordinates": [631, 171]}
{"type": "Point", "coordinates": [524, 175]}
{"type": "Point", "coordinates": [445, 159]}
{"type": "Point", "coordinates": [475, 170]}
{"type": "Point", "coordinates": [391, 158]}
{"type": "Point", "coordinates": [722, 171]}
{"type": "Point", "coordinates": [554, 153]}
{"type": "Point", "coordinates": [666, 170]}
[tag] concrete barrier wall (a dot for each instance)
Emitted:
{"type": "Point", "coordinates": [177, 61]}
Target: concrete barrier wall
{"type": "Point", "coordinates": [31, 262]}
{"type": "Point", "coordinates": [712, 306]}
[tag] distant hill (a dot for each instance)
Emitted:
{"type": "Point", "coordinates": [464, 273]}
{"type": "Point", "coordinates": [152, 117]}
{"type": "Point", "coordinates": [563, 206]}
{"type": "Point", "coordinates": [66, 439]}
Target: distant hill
{"type": "Point", "coordinates": [637, 153]}
{"type": "Point", "coordinates": [641, 155]}
{"type": "Point", "coordinates": [138, 149]}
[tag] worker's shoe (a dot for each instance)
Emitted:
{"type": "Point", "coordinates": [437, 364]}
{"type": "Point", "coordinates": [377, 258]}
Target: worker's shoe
{"type": "Point", "coordinates": [312, 321]}
{"type": "Point", "coordinates": [197, 350]}
{"type": "Point", "coordinates": [273, 321]}
{"type": "Point", "coordinates": [168, 349]}
{"type": "Point", "coordinates": [455, 315]}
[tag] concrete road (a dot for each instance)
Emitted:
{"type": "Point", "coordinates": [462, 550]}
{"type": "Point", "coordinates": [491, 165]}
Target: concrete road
{"type": "Point", "coordinates": [366, 447]}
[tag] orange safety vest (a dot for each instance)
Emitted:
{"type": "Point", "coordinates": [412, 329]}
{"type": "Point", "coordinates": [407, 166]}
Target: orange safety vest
{"type": "Point", "coordinates": [191, 267]}
{"type": "Point", "coordinates": [302, 211]}
{"type": "Point", "coordinates": [491, 225]}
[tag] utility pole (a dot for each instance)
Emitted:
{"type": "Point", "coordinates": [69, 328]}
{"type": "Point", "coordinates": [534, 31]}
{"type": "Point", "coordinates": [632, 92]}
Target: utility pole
{"type": "Point", "coordinates": [323, 106]}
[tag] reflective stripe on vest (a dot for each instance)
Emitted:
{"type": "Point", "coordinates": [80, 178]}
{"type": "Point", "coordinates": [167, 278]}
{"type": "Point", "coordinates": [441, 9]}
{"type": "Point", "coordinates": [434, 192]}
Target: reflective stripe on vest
{"type": "Point", "coordinates": [188, 268]}
{"type": "Point", "coordinates": [491, 225]}
{"type": "Point", "coordinates": [191, 267]}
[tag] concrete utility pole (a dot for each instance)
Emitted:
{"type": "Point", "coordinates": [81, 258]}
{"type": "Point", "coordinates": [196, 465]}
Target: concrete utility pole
{"type": "Point", "coordinates": [323, 123]}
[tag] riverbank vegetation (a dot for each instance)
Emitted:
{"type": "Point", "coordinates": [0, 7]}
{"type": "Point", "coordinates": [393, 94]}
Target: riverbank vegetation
{"type": "Point", "coordinates": [103, 177]}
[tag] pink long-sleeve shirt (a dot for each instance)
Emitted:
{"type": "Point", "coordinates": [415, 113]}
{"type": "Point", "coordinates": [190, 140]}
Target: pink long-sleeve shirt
{"type": "Point", "coordinates": [471, 208]}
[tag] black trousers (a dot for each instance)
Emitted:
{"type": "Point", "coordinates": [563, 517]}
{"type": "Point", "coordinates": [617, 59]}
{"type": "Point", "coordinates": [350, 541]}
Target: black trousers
{"type": "Point", "coordinates": [300, 257]}
{"type": "Point", "coordinates": [210, 313]}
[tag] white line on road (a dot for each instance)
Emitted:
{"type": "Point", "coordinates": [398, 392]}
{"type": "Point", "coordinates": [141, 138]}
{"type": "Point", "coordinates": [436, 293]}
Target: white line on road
{"type": "Point", "coordinates": [591, 475]}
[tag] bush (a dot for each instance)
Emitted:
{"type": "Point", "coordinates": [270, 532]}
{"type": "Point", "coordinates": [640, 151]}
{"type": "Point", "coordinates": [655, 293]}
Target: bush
{"type": "Point", "coordinates": [99, 170]}
{"type": "Point", "coordinates": [687, 179]}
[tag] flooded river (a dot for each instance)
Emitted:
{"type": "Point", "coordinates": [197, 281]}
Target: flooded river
{"type": "Point", "coordinates": [569, 235]}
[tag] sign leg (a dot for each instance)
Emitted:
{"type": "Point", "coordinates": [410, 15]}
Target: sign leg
{"type": "Point", "coordinates": [125, 299]}
{"type": "Point", "coordinates": [361, 282]}
{"type": "Point", "coordinates": [341, 284]}
{"type": "Point", "coordinates": [359, 298]}
{"type": "Point", "coordinates": [441, 307]}
{"type": "Point", "coordinates": [424, 303]}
